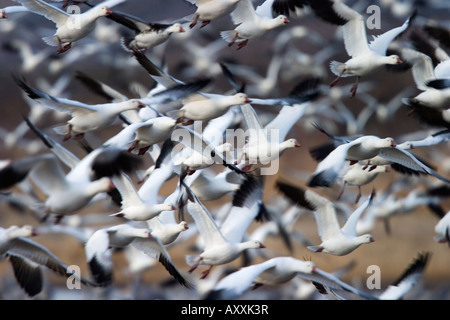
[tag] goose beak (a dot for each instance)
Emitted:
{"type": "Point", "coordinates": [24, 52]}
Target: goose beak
{"type": "Point", "coordinates": [314, 270]}
{"type": "Point", "coordinates": [286, 20]}
{"type": "Point", "coordinates": [182, 29]}
{"type": "Point", "coordinates": [4, 15]}
{"type": "Point", "coordinates": [119, 215]}
{"type": "Point", "coordinates": [111, 185]}
{"type": "Point", "coordinates": [141, 105]}
{"type": "Point", "coordinates": [372, 240]}
{"type": "Point", "coordinates": [262, 246]}
{"type": "Point", "coordinates": [248, 100]}
{"type": "Point", "coordinates": [393, 144]}
{"type": "Point", "coordinates": [173, 208]}
{"type": "Point", "coordinates": [34, 232]}
{"type": "Point", "coordinates": [108, 11]}
{"type": "Point", "coordinates": [399, 61]}
{"type": "Point", "coordinates": [297, 145]}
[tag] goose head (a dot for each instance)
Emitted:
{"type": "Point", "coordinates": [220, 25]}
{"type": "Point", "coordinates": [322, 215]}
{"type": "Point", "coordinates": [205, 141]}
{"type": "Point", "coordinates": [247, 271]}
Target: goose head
{"type": "Point", "coordinates": [175, 28]}
{"type": "Point", "coordinates": [365, 238]}
{"type": "Point", "coordinates": [24, 231]}
{"type": "Point", "coordinates": [103, 11]}
{"type": "Point", "coordinates": [393, 59]}
{"type": "Point", "coordinates": [289, 144]}
{"type": "Point", "coordinates": [240, 98]}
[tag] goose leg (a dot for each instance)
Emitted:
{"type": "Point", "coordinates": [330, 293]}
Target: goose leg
{"type": "Point", "coordinates": [233, 40]}
{"type": "Point", "coordinates": [195, 266]}
{"type": "Point", "coordinates": [342, 191]}
{"type": "Point", "coordinates": [354, 88]}
{"type": "Point", "coordinates": [205, 273]}
{"type": "Point", "coordinates": [69, 133]}
{"type": "Point", "coordinates": [242, 44]}
{"type": "Point", "coordinates": [359, 195]}
{"type": "Point", "coordinates": [194, 22]}
{"type": "Point", "coordinates": [205, 23]}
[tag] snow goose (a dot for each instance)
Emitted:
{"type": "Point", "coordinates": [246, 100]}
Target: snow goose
{"type": "Point", "coordinates": [276, 271]}
{"type": "Point", "coordinates": [263, 146]}
{"type": "Point", "coordinates": [407, 280]}
{"type": "Point", "coordinates": [363, 148]}
{"type": "Point", "coordinates": [11, 9]}
{"type": "Point", "coordinates": [133, 207]}
{"type": "Point", "coordinates": [26, 257]}
{"type": "Point", "coordinates": [365, 58]}
{"type": "Point", "coordinates": [214, 133]}
{"type": "Point", "coordinates": [153, 98]}
{"type": "Point", "coordinates": [431, 140]}
{"type": "Point", "coordinates": [252, 23]}
{"type": "Point", "coordinates": [321, 152]}
{"type": "Point", "coordinates": [208, 10]}
{"type": "Point", "coordinates": [144, 135]}
{"type": "Point", "coordinates": [164, 226]}
{"type": "Point", "coordinates": [209, 154]}
{"type": "Point", "coordinates": [210, 107]}
{"type": "Point", "coordinates": [442, 230]}
{"type": "Point", "coordinates": [99, 255]}
{"type": "Point", "coordinates": [356, 175]}
{"type": "Point", "coordinates": [434, 83]}
{"type": "Point", "coordinates": [69, 28]}
{"type": "Point", "coordinates": [217, 250]}
{"type": "Point", "coordinates": [335, 240]}
{"type": "Point", "coordinates": [68, 193]}
{"type": "Point", "coordinates": [84, 117]}
{"type": "Point", "coordinates": [147, 35]}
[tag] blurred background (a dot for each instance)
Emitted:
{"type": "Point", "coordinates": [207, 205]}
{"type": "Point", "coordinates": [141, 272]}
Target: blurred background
{"type": "Point", "coordinates": [301, 49]}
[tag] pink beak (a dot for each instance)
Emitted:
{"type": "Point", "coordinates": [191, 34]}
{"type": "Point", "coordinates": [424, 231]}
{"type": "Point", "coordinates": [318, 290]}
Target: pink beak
{"type": "Point", "coordinates": [393, 144]}
{"type": "Point", "coordinates": [297, 145]}
{"type": "Point", "coordinates": [286, 20]}
{"type": "Point", "coordinates": [399, 61]}
{"type": "Point", "coordinates": [182, 29]}
{"type": "Point", "coordinates": [248, 100]}
{"type": "Point", "coordinates": [108, 11]}
{"type": "Point", "coordinates": [4, 16]}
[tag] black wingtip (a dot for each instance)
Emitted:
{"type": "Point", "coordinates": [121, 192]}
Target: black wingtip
{"type": "Point", "coordinates": [319, 180]}
{"type": "Point", "coordinates": [102, 277]}
{"type": "Point", "coordinates": [295, 194]}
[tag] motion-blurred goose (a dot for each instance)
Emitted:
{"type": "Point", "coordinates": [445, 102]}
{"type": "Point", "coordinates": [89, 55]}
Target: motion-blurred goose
{"type": "Point", "coordinates": [433, 82]}
{"type": "Point", "coordinates": [252, 23]}
{"type": "Point", "coordinates": [147, 35]}
{"type": "Point", "coordinates": [84, 117]}
{"type": "Point", "coordinates": [99, 255]}
{"type": "Point", "coordinates": [276, 271]}
{"type": "Point", "coordinates": [208, 10]}
{"type": "Point", "coordinates": [11, 9]}
{"type": "Point", "coordinates": [26, 257]}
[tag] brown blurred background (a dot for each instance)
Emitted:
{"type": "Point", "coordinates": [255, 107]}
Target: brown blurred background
{"type": "Point", "coordinates": [411, 233]}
